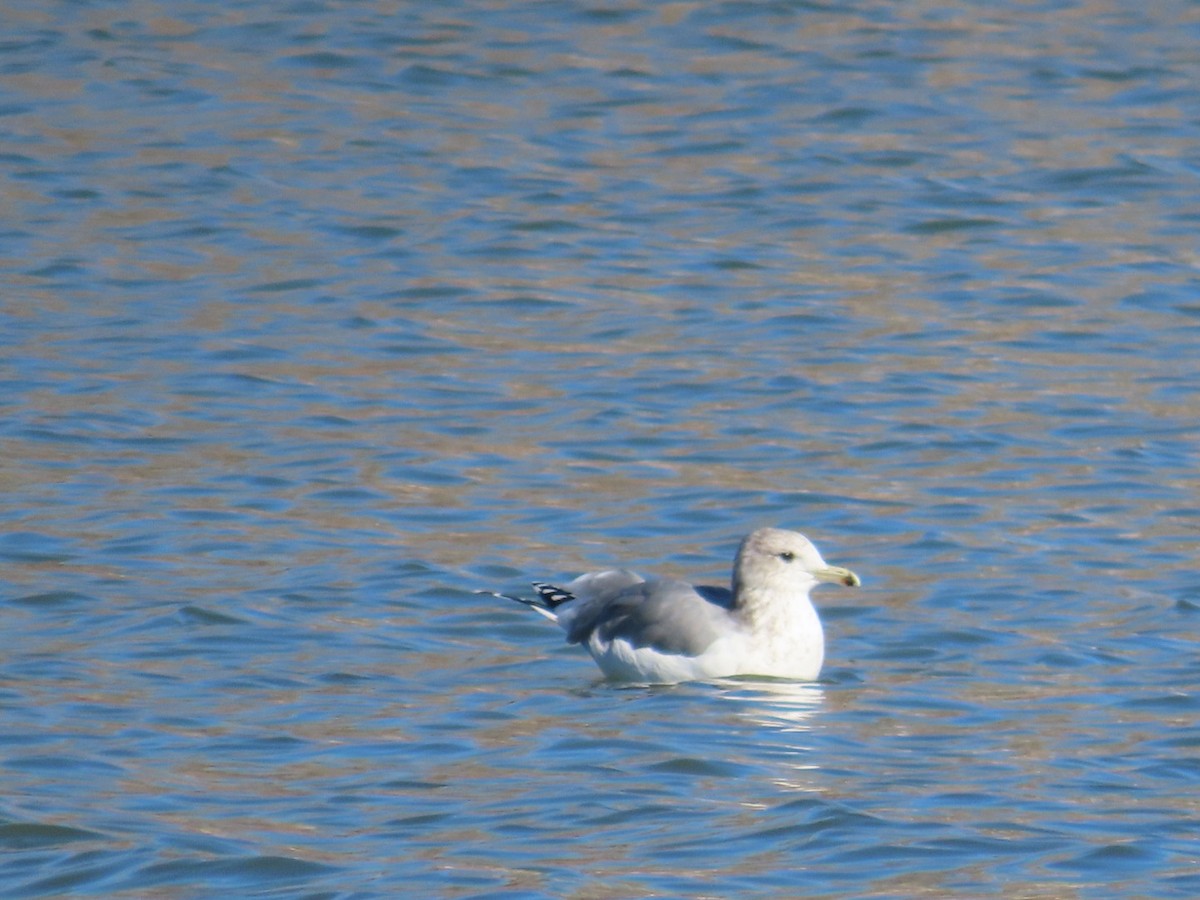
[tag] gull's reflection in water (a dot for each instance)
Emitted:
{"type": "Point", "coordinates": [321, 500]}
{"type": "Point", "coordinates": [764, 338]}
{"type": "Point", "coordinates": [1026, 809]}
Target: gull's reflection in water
{"type": "Point", "coordinates": [787, 706]}
{"type": "Point", "coordinates": [784, 714]}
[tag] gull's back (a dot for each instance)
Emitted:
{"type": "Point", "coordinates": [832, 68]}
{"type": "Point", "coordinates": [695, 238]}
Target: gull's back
{"type": "Point", "coordinates": [619, 607]}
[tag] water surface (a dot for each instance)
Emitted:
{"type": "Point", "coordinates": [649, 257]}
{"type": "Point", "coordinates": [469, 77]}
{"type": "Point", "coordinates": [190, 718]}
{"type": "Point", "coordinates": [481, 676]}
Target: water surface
{"type": "Point", "coordinates": [316, 317]}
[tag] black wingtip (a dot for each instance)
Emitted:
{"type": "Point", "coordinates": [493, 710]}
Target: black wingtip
{"type": "Point", "coordinates": [548, 596]}
{"type": "Point", "coordinates": [552, 596]}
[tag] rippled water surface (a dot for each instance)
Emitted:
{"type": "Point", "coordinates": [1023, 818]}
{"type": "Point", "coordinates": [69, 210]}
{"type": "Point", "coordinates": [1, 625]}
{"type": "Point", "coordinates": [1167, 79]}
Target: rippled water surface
{"type": "Point", "coordinates": [318, 316]}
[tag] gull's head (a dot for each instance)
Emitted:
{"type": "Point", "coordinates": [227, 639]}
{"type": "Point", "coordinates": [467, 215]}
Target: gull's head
{"type": "Point", "coordinates": [773, 556]}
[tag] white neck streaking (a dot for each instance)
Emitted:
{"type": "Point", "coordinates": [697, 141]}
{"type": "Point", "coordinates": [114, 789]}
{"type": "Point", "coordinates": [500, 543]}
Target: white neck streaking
{"type": "Point", "coordinates": [784, 630]}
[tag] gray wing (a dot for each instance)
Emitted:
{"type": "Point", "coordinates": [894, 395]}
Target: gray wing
{"type": "Point", "coordinates": [670, 616]}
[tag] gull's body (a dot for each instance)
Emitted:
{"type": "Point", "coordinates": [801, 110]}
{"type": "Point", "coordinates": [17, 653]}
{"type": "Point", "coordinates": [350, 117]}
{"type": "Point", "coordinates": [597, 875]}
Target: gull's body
{"type": "Point", "coordinates": [664, 631]}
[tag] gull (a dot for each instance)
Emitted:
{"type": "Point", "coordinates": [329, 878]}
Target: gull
{"type": "Point", "coordinates": [663, 631]}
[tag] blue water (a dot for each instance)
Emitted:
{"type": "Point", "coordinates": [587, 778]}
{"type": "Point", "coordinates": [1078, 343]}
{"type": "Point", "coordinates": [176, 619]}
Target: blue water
{"type": "Point", "coordinates": [317, 316]}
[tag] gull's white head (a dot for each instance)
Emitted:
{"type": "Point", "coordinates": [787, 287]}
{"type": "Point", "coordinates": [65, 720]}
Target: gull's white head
{"type": "Point", "coordinates": [787, 559]}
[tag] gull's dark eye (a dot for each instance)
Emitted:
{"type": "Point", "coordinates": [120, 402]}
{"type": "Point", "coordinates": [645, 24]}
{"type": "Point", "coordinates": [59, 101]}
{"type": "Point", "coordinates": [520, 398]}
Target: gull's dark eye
{"type": "Point", "coordinates": [787, 556]}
